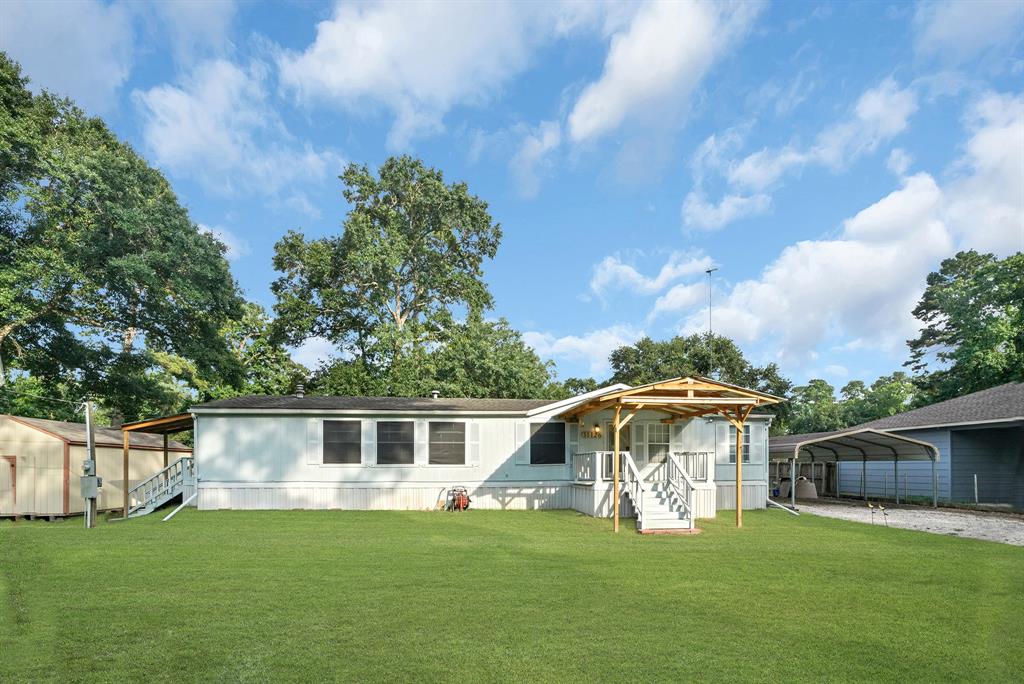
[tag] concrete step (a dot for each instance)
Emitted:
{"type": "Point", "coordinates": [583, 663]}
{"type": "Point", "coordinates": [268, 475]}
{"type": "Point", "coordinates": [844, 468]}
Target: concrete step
{"type": "Point", "coordinates": [646, 524]}
{"type": "Point", "coordinates": [663, 515]}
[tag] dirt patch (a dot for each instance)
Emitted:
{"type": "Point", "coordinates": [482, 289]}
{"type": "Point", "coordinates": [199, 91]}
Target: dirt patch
{"type": "Point", "coordinates": [997, 527]}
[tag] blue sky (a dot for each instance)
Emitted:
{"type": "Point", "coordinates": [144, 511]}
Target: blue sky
{"type": "Point", "coordinates": [823, 157]}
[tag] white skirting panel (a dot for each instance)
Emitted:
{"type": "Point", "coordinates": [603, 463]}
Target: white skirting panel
{"type": "Point", "coordinates": [754, 495]}
{"type": "Point", "coordinates": [597, 501]}
{"type": "Point", "coordinates": [283, 496]}
{"type": "Point", "coordinates": [705, 501]}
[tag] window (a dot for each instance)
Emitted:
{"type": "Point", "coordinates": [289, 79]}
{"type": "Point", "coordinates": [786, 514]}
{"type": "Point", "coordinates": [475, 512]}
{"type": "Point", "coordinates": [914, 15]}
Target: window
{"type": "Point", "coordinates": [547, 444]}
{"type": "Point", "coordinates": [732, 444]}
{"type": "Point", "coordinates": [395, 442]}
{"type": "Point", "coordinates": [343, 441]}
{"type": "Point", "coordinates": [657, 442]}
{"type": "Point", "coordinates": [447, 444]}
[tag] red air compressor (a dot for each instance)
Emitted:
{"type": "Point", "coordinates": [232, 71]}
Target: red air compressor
{"type": "Point", "coordinates": [458, 499]}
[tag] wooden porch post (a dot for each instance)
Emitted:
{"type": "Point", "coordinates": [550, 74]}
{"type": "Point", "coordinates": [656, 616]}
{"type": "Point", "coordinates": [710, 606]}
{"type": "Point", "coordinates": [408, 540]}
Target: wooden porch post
{"type": "Point", "coordinates": [739, 474]}
{"type": "Point", "coordinates": [124, 453]}
{"type": "Point", "coordinates": [615, 468]}
{"type": "Point", "coordinates": [166, 440]}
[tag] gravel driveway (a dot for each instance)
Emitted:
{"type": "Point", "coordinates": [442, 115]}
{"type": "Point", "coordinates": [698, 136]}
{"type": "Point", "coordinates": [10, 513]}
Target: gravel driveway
{"type": "Point", "coordinates": [998, 527]}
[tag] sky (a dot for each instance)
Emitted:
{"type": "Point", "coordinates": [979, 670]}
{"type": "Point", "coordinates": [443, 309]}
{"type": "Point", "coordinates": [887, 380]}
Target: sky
{"type": "Point", "coordinates": [823, 157]}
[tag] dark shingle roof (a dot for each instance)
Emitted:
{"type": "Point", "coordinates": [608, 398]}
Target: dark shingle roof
{"type": "Point", "coordinates": [105, 436]}
{"type": "Point", "coordinates": [1005, 402]}
{"type": "Point", "coordinates": [396, 404]}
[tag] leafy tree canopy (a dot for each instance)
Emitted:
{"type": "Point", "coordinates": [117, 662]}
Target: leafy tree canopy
{"type": "Point", "coordinates": [101, 268]}
{"type": "Point", "coordinates": [972, 335]}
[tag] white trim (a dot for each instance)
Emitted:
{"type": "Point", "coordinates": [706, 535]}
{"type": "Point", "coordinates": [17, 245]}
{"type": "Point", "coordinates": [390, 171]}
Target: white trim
{"type": "Point", "coordinates": [572, 401]}
{"type": "Point", "coordinates": [350, 412]}
{"type": "Point", "coordinates": [1019, 419]}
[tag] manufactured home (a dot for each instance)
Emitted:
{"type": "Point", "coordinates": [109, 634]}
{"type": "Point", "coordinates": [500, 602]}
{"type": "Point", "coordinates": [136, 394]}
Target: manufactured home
{"type": "Point", "coordinates": [678, 442]}
{"type": "Point", "coordinates": [41, 461]}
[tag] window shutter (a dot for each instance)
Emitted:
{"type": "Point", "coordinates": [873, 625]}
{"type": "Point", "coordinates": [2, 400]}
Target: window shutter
{"type": "Point", "coordinates": [676, 436]}
{"type": "Point", "coordinates": [756, 442]}
{"type": "Point", "coordinates": [369, 442]}
{"type": "Point", "coordinates": [314, 454]}
{"type": "Point", "coordinates": [572, 440]}
{"type": "Point", "coordinates": [639, 446]}
{"type": "Point", "coordinates": [421, 440]}
{"type": "Point", "coordinates": [722, 441]}
{"type": "Point", "coordinates": [473, 443]}
{"type": "Point", "coordinates": [522, 442]}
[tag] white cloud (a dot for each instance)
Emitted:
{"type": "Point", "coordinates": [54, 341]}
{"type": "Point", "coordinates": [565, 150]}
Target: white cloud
{"type": "Point", "coordinates": [532, 161]}
{"type": "Point", "coordinates": [314, 352]}
{"type": "Point", "coordinates": [217, 126]}
{"type": "Point", "coordinates": [655, 62]}
{"type": "Point", "coordinates": [679, 298]}
{"type": "Point", "coordinates": [957, 31]}
{"type": "Point", "coordinates": [592, 348]}
{"type": "Point", "coordinates": [899, 161]}
{"type": "Point", "coordinates": [880, 114]}
{"type": "Point", "coordinates": [237, 247]}
{"type": "Point", "coordinates": [861, 287]}
{"type": "Point", "coordinates": [836, 370]}
{"type": "Point", "coordinates": [613, 273]}
{"type": "Point", "coordinates": [79, 49]}
{"type": "Point", "coordinates": [698, 212]}
{"type": "Point", "coordinates": [194, 29]}
{"type": "Point", "coordinates": [421, 59]}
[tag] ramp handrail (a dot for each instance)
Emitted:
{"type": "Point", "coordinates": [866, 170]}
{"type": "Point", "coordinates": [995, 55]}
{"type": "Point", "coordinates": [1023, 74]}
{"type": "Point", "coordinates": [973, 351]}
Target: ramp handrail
{"type": "Point", "coordinates": [169, 481]}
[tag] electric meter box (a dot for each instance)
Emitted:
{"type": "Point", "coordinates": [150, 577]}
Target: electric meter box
{"type": "Point", "coordinates": [91, 486]}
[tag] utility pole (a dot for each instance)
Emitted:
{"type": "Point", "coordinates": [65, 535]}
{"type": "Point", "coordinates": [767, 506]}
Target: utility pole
{"type": "Point", "coordinates": [90, 483]}
{"type": "Point", "coordinates": [711, 348]}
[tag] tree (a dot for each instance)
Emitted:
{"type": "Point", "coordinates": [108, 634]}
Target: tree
{"type": "Point", "coordinates": [101, 268]}
{"type": "Point", "coordinates": [647, 361]}
{"type": "Point", "coordinates": [887, 396]}
{"type": "Point", "coordinates": [815, 409]}
{"type": "Point", "coordinates": [412, 250]}
{"type": "Point", "coordinates": [972, 335]}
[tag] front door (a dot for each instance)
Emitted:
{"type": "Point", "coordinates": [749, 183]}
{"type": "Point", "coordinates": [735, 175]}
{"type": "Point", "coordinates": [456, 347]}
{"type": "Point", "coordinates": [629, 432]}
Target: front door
{"type": "Point", "coordinates": [625, 438]}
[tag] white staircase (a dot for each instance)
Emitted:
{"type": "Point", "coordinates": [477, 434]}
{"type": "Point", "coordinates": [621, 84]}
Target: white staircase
{"type": "Point", "coordinates": [179, 478]}
{"type": "Point", "coordinates": [660, 505]}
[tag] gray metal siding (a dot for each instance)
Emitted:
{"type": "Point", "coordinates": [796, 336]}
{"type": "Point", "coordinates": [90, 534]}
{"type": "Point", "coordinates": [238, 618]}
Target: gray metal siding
{"type": "Point", "coordinates": [915, 477]}
{"type": "Point", "coordinates": [995, 455]}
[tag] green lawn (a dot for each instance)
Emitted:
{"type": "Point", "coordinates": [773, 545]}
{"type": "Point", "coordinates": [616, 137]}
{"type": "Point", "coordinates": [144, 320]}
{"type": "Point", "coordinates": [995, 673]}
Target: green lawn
{"type": "Point", "coordinates": [502, 596]}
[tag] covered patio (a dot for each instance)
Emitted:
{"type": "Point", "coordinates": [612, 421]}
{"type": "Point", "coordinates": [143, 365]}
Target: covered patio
{"type": "Point", "coordinates": [683, 398]}
{"type": "Point", "coordinates": [859, 445]}
{"type": "Point", "coordinates": [164, 425]}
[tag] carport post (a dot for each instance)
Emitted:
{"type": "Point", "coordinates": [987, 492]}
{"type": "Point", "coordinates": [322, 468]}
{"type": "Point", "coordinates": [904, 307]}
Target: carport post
{"type": "Point", "coordinates": [864, 478]}
{"type": "Point", "coordinates": [896, 477]}
{"type": "Point", "coordinates": [792, 483]}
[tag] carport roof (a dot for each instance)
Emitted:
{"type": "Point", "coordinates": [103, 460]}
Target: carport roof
{"type": "Point", "coordinates": [859, 444]}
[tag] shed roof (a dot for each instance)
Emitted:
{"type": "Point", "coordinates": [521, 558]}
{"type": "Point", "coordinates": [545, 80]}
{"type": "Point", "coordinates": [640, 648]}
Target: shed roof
{"type": "Point", "coordinates": [382, 404]}
{"type": "Point", "coordinates": [105, 436]}
{"type": "Point", "coordinates": [996, 404]}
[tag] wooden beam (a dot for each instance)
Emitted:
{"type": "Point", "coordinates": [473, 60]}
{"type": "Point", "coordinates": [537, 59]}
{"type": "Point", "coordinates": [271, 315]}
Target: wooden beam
{"type": "Point", "coordinates": [166, 440]}
{"type": "Point", "coordinates": [739, 473]}
{"type": "Point", "coordinates": [615, 467]}
{"type": "Point", "coordinates": [625, 421]}
{"type": "Point", "coordinates": [124, 453]}
{"type": "Point", "coordinates": [698, 401]}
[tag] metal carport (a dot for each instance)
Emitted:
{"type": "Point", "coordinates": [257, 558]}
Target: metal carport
{"type": "Point", "coordinates": [864, 444]}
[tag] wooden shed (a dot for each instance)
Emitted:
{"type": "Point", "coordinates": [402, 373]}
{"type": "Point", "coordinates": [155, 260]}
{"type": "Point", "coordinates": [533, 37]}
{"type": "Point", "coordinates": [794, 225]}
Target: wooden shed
{"type": "Point", "coordinates": [41, 461]}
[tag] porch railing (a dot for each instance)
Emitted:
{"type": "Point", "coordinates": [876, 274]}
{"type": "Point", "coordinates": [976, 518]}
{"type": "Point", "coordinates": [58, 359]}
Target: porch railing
{"type": "Point", "coordinates": [634, 485]}
{"type": "Point", "coordinates": [695, 463]}
{"type": "Point", "coordinates": [595, 466]}
{"type": "Point", "coordinates": [167, 481]}
{"type": "Point", "coordinates": [681, 483]}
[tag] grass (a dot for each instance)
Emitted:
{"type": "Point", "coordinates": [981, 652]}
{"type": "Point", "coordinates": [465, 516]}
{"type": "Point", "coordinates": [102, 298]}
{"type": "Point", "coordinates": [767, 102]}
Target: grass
{"type": "Point", "coordinates": [502, 596]}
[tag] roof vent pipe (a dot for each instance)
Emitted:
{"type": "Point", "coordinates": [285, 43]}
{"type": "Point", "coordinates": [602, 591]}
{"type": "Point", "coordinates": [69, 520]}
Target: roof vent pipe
{"type": "Point", "coordinates": [300, 390]}
{"type": "Point", "coordinates": [435, 394]}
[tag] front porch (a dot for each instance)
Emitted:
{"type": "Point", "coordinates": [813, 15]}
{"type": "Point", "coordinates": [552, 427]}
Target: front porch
{"type": "Point", "coordinates": [652, 451]}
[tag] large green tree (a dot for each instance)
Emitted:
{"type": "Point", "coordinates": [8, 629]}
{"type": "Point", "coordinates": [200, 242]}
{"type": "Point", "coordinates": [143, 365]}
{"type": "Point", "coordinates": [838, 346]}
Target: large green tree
{"type": "Point", "coordinates": [886, 396]}
{"type": "Point", "coordinates": [972, 334]}
{"type": "Point", "coordinates": [386, 290]}
{"type": "Point", "coordinates": [101, 267]}
{"type": "Point", "coordinates": [648, 360]}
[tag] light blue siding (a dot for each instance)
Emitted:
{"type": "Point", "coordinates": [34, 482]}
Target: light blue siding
{"type": "Point", "coordinates": [915, 477]}
{"type": "Point", "coordinates": [995, 456]}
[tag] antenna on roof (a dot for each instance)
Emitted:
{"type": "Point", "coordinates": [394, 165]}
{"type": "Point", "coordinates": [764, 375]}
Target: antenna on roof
{"type": "Point", "coordinates": [711, 348]}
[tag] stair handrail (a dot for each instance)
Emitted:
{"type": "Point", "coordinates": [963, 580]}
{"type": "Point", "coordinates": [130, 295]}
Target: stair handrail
{"type": "Point", "coordinates": [679, 480]}
{"type": "Point", "coordinates": [634, 484]}
{"type": "Point", "coordinates": [163, 479]}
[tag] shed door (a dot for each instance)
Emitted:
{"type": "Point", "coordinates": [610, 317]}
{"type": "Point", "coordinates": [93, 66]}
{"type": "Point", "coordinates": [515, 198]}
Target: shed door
{"type": "Point", "coordinates": [7, 485]}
